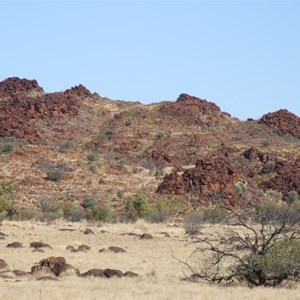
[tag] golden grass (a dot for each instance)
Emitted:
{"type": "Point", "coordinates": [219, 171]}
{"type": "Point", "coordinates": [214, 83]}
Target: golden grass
{"type": "Point", "coordinates": [159, 274]}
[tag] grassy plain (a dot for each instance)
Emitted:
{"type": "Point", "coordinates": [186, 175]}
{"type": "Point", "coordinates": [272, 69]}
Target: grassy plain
{"type": "Point", "coordinates": [159, 273]}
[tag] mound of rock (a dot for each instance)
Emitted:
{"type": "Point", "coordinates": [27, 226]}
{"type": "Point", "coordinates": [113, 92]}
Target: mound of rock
{"type": "Point", "coordinates": [11, 87]}
{"type": "Point", "coordinates": [283, 121]}
{"type": "Point", "coordinates": [18, 115]}
{"type": "Point", "coordinates": [190, 109]}
{"type": "Point", "coordinates": [254, 154]}
{"type": "Point", "coordinates": [161, 159]}
{"type": "Point", "coordinates": [286, 180]}
{"type": "Point", "coordinates": [211, 175]}
{"type": "Point", "coordinates": [78, 91]}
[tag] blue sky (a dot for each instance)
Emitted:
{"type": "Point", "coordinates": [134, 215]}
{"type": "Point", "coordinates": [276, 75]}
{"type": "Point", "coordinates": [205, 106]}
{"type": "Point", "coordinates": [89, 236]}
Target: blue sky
{"type": "Point", "coordinates": [242, 55]}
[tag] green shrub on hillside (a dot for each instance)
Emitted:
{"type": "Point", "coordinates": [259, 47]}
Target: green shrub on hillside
{"type": "Point", "coordinates": [138, 207]}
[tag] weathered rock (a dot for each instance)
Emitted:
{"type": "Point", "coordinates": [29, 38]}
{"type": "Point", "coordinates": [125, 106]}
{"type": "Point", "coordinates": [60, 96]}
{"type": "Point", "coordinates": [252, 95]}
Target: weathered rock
{"type": "Point", "coordinates": [69, 269]}
{"type": "Point", "coordinates": [211, 175]}
{"type": "Point", "coordinates": [83, 248]}
{"type": "Point", "coordinates": [130, 274]}
{"type": "Point", "coordinates": [283, 121]}
{"type": "Point", "coordinates": [39, 245]}
{"type": "Point", "coordinates": [3, 264]}
{"type": "Point", "coordinates": [146, 236]}
{"type": "Point", "coordinates": [88, 231]}
{"type": "Point", "coordinates": [253, 154]}
{"type": "Point", "coordinates": [26, 104]}
{"type": "Point", "coordinates": [113, 273]}
{"type": "Point", "coordinates": [14, 245]}
{"type": "Point", "coordinates": [191, 109]}
{"type": "Point", "coordinates": [94, 273]}
{"type": "Point", "coordinates": [71, 248]}
{"type": "Point", "coordinates": [286, 180]}
{"type": "Point", "coordinates": [55, 264]}
{"type": "Point", "coordinates": [19, 273]}
{"type": "Point", "coordinates": [13, 86]}
{"type": "Point", "coordinates": [116, 249]}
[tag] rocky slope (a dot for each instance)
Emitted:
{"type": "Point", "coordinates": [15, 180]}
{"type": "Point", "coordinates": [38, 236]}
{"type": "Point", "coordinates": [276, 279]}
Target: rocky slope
{"type": "Point", "coordinates": [113, 149]}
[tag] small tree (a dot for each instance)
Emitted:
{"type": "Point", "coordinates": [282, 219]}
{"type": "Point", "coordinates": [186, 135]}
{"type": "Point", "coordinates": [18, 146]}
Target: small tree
{"type": "Point", "coordinates": [259, 247]}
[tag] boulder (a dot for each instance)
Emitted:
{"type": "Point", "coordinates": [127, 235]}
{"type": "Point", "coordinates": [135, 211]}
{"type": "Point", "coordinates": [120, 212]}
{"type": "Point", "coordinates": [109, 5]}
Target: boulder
{"type": "Point", "coordinates": [14, 245]}
{"type": "Point", "coordinates": [94, 273]}
{"type": "Point", "coordinates": [3, 264]}
{"type": "Point", "coordinates": [116, 249]}
{"type": "Point", "coordinates": [39, 245]}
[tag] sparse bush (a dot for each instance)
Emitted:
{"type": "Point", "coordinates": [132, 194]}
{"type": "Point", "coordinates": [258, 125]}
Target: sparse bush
{"type": "Point", "coordinates": [128, 123]}
{"type": "Point", "coordinates": [261, 253]}
{"type": "Point", "coordinates": [48, 205]}
{"type": "Point", "coordinates": [65, 147]}
{"type": "Point", "coordinates": [240, 189]}
{"type": "Point", "coordinates": [274, 194]}
{"type": "Point", "coordinates": [92, 156]}
{"type": "Point", "coordinates": [271, 166]}
{"type": "Point", "coordinates": [293, 197]}
{"type": "Point", "coordinates": [147, 165]}
{"type": "Point", "coordinates": [109, 133]}
{"type": "Point", "coordinates": [6, 195]}
{"type": "Point", "coordinates": [165, 207]}
{"type": "Point", "coordinates": [101, 212]}
{"type": "Point", "coordinates": [54, 175]}
{"type": "Point", "coordinates": [138, 206]}
{"type": "Point", "coordinates": [89, 202]}
{"type": "Point", "coordinates": [72, 212]}
{"type": "Point", "coordinates": [266, 143]}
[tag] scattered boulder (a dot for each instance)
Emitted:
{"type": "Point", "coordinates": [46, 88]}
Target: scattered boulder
{"type": "Point", "coordinates": [83, 248]}
{"type": "Point", "coordinates": [69, 269]}
{"type": "Point", "coordinates": [146, 236]}
{"type": "Point", "coordinates": [19, 273]}
{"type": "Point", "coordinates": [71, 248]}
{"type": "Point", "coordinates": [55, 264]}
{"type": "Point", "coordinates": [116, 249]}
{"type": "Point", "coordinates": [94, 273]}
{"type": "Point", "coordinates": [130, 274]}
{"type": "Point", "coordinates": [3, 264]}
{"type": "Point", "coordinates": [89, 231]}
{"type": "Point", "coordinates": [66, 229]}
{"type": "Point", "coordinates": [14, 245]}
{"type": "Point", "coordinates": [113, 273]}
{"type": "Point", "coordinates": [39, 245]}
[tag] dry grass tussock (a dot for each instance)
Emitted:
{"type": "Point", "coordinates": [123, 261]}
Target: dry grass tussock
{"type": "Point", "coordinates": [159, 274]}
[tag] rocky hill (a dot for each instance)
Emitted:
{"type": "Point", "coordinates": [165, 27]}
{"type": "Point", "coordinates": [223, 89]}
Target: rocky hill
{"type": "Point", "coordinates": [114, 149]}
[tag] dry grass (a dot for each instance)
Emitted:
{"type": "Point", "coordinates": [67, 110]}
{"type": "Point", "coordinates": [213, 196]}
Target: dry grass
{"type": "Point", "coordinates": [159, 274]}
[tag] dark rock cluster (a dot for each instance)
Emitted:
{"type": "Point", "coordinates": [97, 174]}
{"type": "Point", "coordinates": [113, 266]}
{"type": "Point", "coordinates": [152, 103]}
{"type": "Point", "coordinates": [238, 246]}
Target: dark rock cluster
{"type": "Point", "coordinates": [283, 121]}
{"type": "Point", "coordinates": [211, 175]}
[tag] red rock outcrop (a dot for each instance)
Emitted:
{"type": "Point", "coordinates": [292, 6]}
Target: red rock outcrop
{"type": "Point", "coordinates": [190, 109]}
{"type": "Point", "coordinates": [209, 176]}
{"type": "Point", "coordinates": [20, 111]}
{"type": "Point", "coordinates": [254, 154]}
{"type": "Point", "coordinates": [283, 121]}
{"type": "Point", "coordinates": [159, 158]}
{"type": "Point", "coordinates": [286, 180]}
{"type": "Point", "coordinates": [14, 86]}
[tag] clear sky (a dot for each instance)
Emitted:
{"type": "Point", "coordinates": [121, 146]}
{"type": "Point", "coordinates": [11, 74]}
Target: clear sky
{"type": "Point", "coordinates": [242, 55]}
